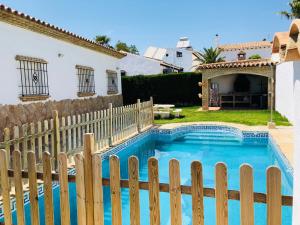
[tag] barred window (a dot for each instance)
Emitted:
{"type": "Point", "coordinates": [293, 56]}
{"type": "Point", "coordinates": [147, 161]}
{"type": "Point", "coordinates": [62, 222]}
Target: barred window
{"type": "Point", "coordinates": [112, 82]}
{"type": "Point", "coordinates": [33, 78]}
{"type": "Point", "coordinates": [86, 81]}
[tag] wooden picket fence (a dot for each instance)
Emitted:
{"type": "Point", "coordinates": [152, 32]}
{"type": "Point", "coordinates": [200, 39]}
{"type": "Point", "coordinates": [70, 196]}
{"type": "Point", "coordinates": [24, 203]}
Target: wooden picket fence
{"type": "Point", "coordinates": [110, 126]}
{"type": "Point", "coordinates": [89, 188]}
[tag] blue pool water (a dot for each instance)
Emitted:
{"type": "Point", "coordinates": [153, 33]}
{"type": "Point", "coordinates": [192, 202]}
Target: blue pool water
{"type": "Point", "coordinates": [206, 145]}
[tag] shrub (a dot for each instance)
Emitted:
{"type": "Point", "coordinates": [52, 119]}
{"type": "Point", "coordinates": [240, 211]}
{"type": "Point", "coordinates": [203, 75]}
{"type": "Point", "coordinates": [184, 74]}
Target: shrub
{"type": "Point", "coordinates": [255, 56]}
{"type": "Point", "coordinates": [180, 89]}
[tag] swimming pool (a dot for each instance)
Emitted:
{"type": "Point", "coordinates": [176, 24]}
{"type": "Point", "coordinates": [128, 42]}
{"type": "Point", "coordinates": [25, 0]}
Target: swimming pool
{"type": "Point", "coordinates": [208, 144]}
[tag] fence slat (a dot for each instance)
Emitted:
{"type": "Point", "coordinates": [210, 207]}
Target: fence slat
{"type": "Point", "coordinates": [175, 192]}
{"type": "Point", "coordinates": [133, 173]}
{"type": "Point", "coordinates": [63, 135]}
{"type": "Point", "coordinates": [34, 204]}
{"type": "Point", "coordinates": [46, 138]}
{"type": "Point", "coordinates": [221, 195]}
{"type": "Point", "coordinates": [98, 190]}
{"type": "Point", "coordinates": [48, 194]}
{"type": "Point", "coordinates": [5, 187]}
{"type": "Point", "coordinates": [16, 137]}
{"type": "Point", "coordinates": [79, 130]}
{"type": "Point", "coordinates": [32, 139]}
{"type": "Point", "coordinates": [56, 137]}
{"type": "Point", "coordinates": [154, 203]}
{"type": "Point", "coordinates": [246, 195]}
{"type": "Point", "coordinates": [197, 193]}
{"type": "Point", "coordinates": [115, 190]}
{"type": "Point", "coordinates": [110, 124]}
{"type": "Point", "coordinates": [273, 196]}
{"type": "Point", "coordinates": [74, 132]}
{"type": "Point", "coordinates": [6, 134]}
{"type": "Point", "coordinates": [88, 150]}
{"type": "Point", "coordinates": [25, 144]}
{"type": "Point", "coordinates": [64, 189]}
{"type": "Point", "coordinates": [80, 190]}
{"type": "Point", "coordinates": [69, 134]}
{"type": "Point", "coordinates": [18, 186]}
{"type": "Point", "coordinates": [53, 154]}
{"type": "Point", "coordinates": [40, 141]}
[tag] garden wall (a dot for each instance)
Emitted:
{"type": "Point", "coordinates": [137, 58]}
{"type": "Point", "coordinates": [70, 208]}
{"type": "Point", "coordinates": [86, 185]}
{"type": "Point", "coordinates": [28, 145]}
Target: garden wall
{"type": "Point", "coordinates": [12, 115]}
{"type": "Point", "coordinates": [181, 89]}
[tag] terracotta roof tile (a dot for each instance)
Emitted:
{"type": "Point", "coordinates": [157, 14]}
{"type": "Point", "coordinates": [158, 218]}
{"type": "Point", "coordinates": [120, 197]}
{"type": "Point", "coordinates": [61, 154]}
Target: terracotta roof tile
{"type": "Point", "coordinates": [246, 45]}
{"type": "Point", "coordinates": [237, 64]}
{"type": "Point", "coordinates": [8, 11]}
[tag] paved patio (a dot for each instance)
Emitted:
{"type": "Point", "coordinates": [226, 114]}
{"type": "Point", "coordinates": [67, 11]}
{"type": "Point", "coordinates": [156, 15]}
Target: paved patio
{"type": "Point", "coordinates": [283, 135]}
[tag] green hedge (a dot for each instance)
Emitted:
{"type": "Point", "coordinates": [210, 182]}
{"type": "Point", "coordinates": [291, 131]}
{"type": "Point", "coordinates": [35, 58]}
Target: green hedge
{"type": "Point", "coordinates": [179, 89]}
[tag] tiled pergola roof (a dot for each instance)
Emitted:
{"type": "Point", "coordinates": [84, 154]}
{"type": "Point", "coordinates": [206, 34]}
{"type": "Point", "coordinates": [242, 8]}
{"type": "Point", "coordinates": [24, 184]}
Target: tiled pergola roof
{"type": "Point", "coordinates": [238, 64]}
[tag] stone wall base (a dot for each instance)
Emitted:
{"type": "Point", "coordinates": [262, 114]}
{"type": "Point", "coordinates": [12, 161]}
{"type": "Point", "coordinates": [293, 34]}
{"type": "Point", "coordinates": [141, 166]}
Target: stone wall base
{"type": "Point", "coordinates": [16, 115]}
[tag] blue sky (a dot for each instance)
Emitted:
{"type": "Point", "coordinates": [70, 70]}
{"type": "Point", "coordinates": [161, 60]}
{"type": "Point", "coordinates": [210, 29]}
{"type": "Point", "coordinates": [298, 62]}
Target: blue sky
{"type": "Point", "coordinates": [161, 22]}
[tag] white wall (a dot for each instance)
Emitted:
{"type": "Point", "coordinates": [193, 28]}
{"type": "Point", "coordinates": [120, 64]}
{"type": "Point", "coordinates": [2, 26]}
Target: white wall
{"type": "Point", "coordinates": [233, 55]}
{"type": "Point", "coordinates": [186, 61]}
{"type": "Point", "coordinates": [226, 83]}
{"type": "Point", "coordinates": [139, 65]}
{"type": "Point", "coordinates": [296, 188]}
{"type": "Point", "coordinates": [284, 92]}
{"type": "Point", "coordinates": [61, 70]}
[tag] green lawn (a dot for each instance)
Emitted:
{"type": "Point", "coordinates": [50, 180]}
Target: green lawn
{"type": "Point", "coordinates": [248, 117]}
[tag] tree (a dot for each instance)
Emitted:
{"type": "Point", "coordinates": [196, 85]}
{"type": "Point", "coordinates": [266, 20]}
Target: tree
{"type": "Point", "coordinates": [102, 39]}
{"type": "Point", "coordinates": [133, 49]}
{"type": "Point", "coordinates": [122, 46]}
{"type": "Point", "coordinates": [294, 12]}
{"type": "Point", "coordinates": [255, 56]}
{"type": "Point", "coordinates": [211, 55]}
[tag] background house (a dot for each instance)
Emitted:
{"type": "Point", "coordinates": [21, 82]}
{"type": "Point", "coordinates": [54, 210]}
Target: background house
{"type": "Point", "coordinates": [132, 65]}
{"type": "Point", "coordinates": [182, 55]}
{"type": "Point", "coordinates": [242, 51]}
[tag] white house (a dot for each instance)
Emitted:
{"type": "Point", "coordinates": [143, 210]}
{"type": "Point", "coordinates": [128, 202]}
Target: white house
{"type": "Point", "coordinates": [133, 64]}
{"type": "Point", "coordinates": [182, 56]}
{"type": "Point", "coordinates": [287, 70]}
{"type": "Point", "coordinates": [242, 51]}
{"type": "Point", "coordinates": [286, 46]}
{"type": "Point", "coordinates": [42, 62]}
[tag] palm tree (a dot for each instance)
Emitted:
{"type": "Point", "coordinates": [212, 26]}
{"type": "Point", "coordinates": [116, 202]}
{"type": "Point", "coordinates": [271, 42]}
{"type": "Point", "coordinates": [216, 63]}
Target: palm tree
{"type": "Point", "coordinates": [102, 39]}
{"type": "Point", "coordinates": [210, 55]}
{"type": "Point", "coordinates": [294, 11]}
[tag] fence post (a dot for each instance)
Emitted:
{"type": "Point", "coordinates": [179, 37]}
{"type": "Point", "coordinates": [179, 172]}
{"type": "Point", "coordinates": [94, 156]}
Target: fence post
{"type": "Point", "coordinates": [152, 109]}
{"type": "Point", "coordinates": [7, 145]}
{"type": "Point", "coordinates": [110, 129]}
{"type": "Point", "coordinates": [88, 150]}
{"type": "Point", "coordinates": [56, 136]}
{"type": "Point", "coordinates": [139, 115]}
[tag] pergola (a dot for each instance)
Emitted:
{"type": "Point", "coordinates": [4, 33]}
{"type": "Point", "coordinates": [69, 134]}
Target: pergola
{"type": "Point", "coordinates": [260, 67]}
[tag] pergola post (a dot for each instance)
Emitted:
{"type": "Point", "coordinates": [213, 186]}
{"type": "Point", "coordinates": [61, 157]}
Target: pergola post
{"type": "Point", "coordinates": [205, 93]}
